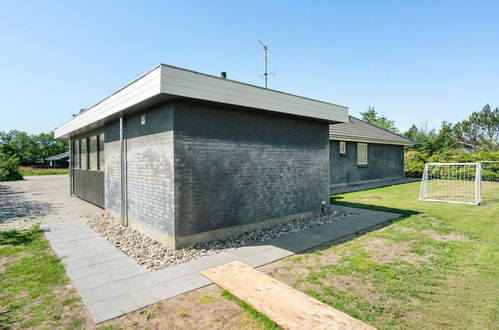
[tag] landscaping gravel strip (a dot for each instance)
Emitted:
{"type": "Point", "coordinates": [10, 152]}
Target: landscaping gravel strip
{"type": "Point", "coordinates": [152, 255]}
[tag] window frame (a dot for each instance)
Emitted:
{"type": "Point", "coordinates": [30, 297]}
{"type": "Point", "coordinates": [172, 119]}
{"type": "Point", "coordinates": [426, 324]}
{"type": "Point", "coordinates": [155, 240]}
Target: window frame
{"type": "Point", "coordinates": [93, 150]}
{"type": "Point", "coordinates": [76, 154]}
{"type": "Point", "coordinates": [101, 156]}
{"type": "Point", "coordinates": [84, 164]}
{"type": "Point", "coordinates": [343, 147]}
{"type": "Point", "coordinates": [366, 152]}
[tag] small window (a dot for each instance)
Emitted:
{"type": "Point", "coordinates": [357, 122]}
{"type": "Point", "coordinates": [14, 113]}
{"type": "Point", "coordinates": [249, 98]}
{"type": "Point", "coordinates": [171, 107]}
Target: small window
{"type": "Point", "coordinates": [362, 153]}
{"type": "Point", "coordinates": [76, 154]}
{"type": "Point", "coordinates": [101, 151]}
{"type": "Point", "coordinates": [343, 147]}
{"type": "Point", "coordinates": [92, 152]}
{"type": "Point", "coordinates": [84, 154]}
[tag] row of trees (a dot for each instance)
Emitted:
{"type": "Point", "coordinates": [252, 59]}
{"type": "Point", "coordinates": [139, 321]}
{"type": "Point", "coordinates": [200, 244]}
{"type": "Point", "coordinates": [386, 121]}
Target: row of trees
{"type": "Point", "coordinates": [21, 148]}
{"type": "Point", "coordinates": [31, 148]}
{"type": "Point", "coordinates": [474, 139]}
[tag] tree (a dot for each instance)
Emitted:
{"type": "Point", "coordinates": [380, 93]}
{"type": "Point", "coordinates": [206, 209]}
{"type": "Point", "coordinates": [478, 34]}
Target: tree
{"type": "Point", "coordinates": [480, 130]}
{"type": "Point", "coordinates": [446, 138]}
{"type": "Point", "coordinates": [371, 116]}
{"type": "Point", "coordinates": [9, 167]}
{"type": "Point", "coordinates": [31, 148]}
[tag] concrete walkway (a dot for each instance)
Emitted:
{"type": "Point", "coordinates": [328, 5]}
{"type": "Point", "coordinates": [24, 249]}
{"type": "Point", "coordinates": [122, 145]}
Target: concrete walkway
{"type": "Point", "coordinates": [112, 284]}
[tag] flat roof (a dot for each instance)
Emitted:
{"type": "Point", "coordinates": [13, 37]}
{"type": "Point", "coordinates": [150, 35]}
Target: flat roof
{"type": "Point", "coordinates": [168, 82]}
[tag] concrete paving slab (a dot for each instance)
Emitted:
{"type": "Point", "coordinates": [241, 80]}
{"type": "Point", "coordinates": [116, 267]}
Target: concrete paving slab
{"type": "Point", "coordinates": [140, 281]}
{"type": "Point", "coordinates": [79, 263]}
{"type": "Point", "coordinates": [76, 274]}
{"type": "Point", "coordinates": [250, 250]}
{"type": "Point", "coordinates": [112, 284]}
{"type": "Point", "coordinates": [268, 256]}
{"type": "Point", "coordinates": [112, 308]}
{"type": "Point", "coordinates": [108, 256]}
{"type": "Point", "coordinates": [102, 292]}
{"type": "Point", "coordinates": [119, 264]}
{"type": "Point", "coordinates": [151, 295]}
{"type": "Point", "coordinates": [93, 281]}
{"type": "Point", "coordinates": [120, 274]}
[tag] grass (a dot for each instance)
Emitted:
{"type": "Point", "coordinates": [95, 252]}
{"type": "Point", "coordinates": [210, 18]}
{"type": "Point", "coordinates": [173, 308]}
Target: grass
{"type": "Point", "coordinates": [30, 171]}
{"type": "Point", "coordinates": [436, 268]}
{"type": "Point", "coordinates": [34, 290]}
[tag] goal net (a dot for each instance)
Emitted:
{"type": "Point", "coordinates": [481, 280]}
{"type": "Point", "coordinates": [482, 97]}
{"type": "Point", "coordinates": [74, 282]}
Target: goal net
{"type": "Point", "coordinates": [452, 183]}
{"type": "Point", "coordinates": [490, 182]}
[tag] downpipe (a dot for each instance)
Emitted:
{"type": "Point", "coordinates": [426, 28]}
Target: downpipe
{"type": "Point", "coordinates": [123, 158]}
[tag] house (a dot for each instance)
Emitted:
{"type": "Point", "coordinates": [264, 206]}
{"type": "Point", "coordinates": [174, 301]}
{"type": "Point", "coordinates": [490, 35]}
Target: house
{"type": "Point", "coordinates": [361, 153]}
{"type": "Point", "coordinates": [185, 157]}
{"type": "Point", "coordinates": [60, 160]}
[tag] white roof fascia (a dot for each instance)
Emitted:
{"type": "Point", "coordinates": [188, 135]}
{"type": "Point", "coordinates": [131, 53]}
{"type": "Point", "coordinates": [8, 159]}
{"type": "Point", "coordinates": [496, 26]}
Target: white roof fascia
{"type": "Point", "coordinates": [173, 81]}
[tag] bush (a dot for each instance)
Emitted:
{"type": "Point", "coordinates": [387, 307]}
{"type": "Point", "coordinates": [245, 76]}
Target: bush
{"type": "Point", "coordinates": [414, 164]}
{"type": "Point", "coordinates": [415, 161]}
{"type": "Point", "coordinates": [9, 168]}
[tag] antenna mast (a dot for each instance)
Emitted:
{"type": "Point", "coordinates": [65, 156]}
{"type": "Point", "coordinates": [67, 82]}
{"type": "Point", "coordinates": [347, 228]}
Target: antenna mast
{"type": "Point", "coordinates": [265, 50]}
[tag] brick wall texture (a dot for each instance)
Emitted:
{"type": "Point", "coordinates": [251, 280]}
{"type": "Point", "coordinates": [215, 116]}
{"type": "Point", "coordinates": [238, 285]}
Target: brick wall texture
{"type": "Point", "coordinates": [384, 161]}
{"type": "Point", "coordinates": [194, 167]}
{"type": "Point", "coordinates": [235, 166]}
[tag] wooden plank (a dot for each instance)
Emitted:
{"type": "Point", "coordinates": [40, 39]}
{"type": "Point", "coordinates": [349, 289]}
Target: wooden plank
{"type": "Point", "coordinates": [289, 308]}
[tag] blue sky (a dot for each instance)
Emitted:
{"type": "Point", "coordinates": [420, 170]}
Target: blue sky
{"type": "Point", "coordinates": [414, 61]}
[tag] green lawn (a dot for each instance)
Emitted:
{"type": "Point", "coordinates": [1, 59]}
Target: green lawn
{"type": "Point", "coordinates": [30, 171]}
{"type": "Point", "coordinates": [436, 268]}
{"type": "Point", "coordinates": [34, 290]}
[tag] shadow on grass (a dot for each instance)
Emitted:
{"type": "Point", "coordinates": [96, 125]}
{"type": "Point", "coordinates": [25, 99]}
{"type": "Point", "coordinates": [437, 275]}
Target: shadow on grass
{"type": "Point", "coordinates": [16, 237]}
{"type": "Point", "coordinates": [337, 200]}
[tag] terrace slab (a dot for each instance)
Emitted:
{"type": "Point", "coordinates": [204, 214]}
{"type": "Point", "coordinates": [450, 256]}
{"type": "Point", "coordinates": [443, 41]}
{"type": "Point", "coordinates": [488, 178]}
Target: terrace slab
{"type": "Point", "coordinates": [112, 284]}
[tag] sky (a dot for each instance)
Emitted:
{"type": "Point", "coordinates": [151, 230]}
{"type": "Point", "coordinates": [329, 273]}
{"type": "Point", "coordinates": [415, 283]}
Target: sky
{"type": "Point", "coordinates": [413, 61]}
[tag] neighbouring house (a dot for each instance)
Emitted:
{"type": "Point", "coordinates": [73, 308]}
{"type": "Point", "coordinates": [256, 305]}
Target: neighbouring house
{"type": "Point", "coordinates": [60, 160]}
{"type": "Point", "coordinates": [362, 153]}
{"type": "Point", "coordinates": [185, 157]}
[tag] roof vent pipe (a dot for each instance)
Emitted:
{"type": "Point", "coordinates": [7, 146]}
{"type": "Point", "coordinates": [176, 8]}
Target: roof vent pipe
{"type": "Point", "coordinates": [223, 75]}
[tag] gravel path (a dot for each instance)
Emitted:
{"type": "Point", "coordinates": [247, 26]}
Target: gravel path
{"type": "Point", "coordinates": [152, 255]}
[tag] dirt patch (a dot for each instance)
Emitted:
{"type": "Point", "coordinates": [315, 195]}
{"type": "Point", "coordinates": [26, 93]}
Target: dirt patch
{"type": "Point", "coordinates": [357, 287]}
{"type": "Point", "coordinates": [200, 309]}
{"type": "Point", "coordinates": [3, 261]}
{"type": "Point", "coordinates": [383, 251]}
{"type": "Point", "coordinates": [288, 270]}
{"type": "Point", "coordinates": [451, 237]}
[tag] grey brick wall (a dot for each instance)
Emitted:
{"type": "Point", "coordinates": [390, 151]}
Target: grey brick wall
{"type": "Point", "coordinates": [150, 168]}
{"type": "Point", "coordinates": [234, 166]}
{"type": "Point", "coordinates": [112, 182]}
{"type": "Point", "coordinates": [384, 161]}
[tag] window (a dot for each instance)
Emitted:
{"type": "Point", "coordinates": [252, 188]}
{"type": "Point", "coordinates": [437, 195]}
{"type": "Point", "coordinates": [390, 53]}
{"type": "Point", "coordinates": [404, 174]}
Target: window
{"type": "Point", "coordinates": [362, 153]}
{"type": "Point", "coordinates": [76, 154]}
{"type": "Point", "coordinates": [83, 153]}
{"type": "Point", "coordinates": [101, 151]}
{"type": "Point", "coordinates": [343, 147]}
{"type": "Point", "coordinates": [92, 152]}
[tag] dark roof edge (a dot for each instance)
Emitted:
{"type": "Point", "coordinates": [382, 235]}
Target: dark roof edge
{"type": "Point", "coordinates": [399, 135]}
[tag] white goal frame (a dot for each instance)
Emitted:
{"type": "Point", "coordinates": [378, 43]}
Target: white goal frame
{"type": "Point", "coordinates": [467, 189]}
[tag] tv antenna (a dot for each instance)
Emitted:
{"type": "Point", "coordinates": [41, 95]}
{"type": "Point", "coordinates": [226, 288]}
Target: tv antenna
{"type": "Point", "coordinates": [266, 61]}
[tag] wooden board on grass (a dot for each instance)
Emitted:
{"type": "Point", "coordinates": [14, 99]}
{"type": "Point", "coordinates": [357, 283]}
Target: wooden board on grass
{"type": "Point", "coordinates": [289, 308]}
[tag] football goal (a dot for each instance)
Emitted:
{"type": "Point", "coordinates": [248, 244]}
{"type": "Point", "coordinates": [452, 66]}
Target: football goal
{"type": "Point", "coordinates": [452, 183]}
{"type": "Point", "coordinates": [458, 182]}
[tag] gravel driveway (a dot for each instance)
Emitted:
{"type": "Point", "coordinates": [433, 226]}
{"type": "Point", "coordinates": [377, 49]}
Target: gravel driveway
{"type": "Point", "coordinates": [41, 199]}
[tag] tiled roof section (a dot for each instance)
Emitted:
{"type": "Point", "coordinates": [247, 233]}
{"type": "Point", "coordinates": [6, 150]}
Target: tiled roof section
{"type": "Point", "coordinates": [357, 129]}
